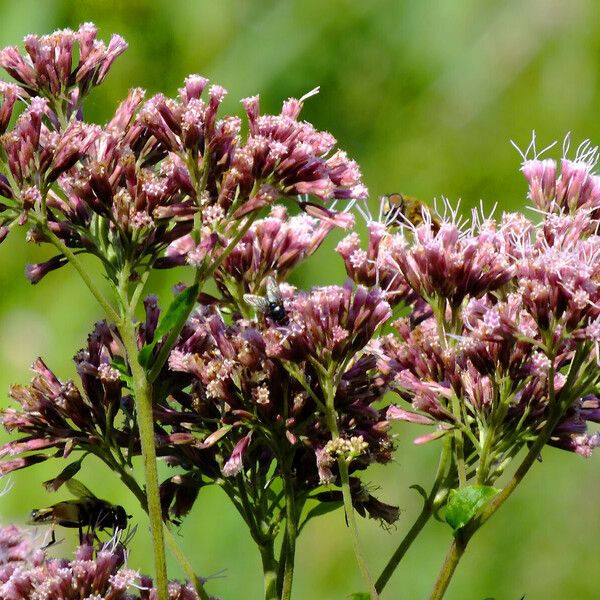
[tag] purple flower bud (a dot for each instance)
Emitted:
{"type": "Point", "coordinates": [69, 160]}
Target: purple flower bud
{"type": "Point", "coordinates": [36, 272]}
{"type": "Point", "coordinates": [194, 86]}
{"type": "Point", "coordinates": [235, 462]}
{"type": "Point", "coordinates": [10, 94]}
{"type": "Point", "coordinates": [541, 176]}
{"type": "Point", "coordinates": [56, 62]}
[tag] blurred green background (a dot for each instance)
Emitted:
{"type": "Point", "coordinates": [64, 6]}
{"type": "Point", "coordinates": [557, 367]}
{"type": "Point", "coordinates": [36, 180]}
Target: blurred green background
{"type": "Point", "coordinates": [426, 96]}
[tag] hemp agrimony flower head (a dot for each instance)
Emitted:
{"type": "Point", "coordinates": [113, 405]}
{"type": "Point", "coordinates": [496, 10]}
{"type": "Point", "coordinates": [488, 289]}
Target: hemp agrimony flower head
{"type": "Point", "coordinates": [262, 411]}
{"type": "Point", "coordinates": [62, 66]}
{"type": "Point", "coordinates": [57, 416]}
{"type": "Point", "coordinates": [512, 337]}
{"type": "Point", "coordinates": [274, 394]}
{"type": "Point", "coordinates": [126, 191]}
{"type": "Point", "coordinates": [272, 246]}
{"type": "Point", "coordinates": [374, 266]}
{"type": "Point", "coordinates": [575, 188]}
{"type": "Point", "coordinates": [26, 572]}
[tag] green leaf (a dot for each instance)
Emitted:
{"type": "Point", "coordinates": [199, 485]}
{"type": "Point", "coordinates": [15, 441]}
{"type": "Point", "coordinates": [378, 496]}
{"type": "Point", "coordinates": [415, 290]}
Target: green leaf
{"type": "Point", "coordinates": [146, 353]}
{"type": "Point", "coordinates": [120, 365]}
{"type": "Point", "coordinates": [464, 503]}
{"type": "Point", "coordinates": [52, 485]}
{"type": "Point", "coordinates": [360, 596]}
{"type": "Point", "coordinates": [179, 307]}
{"type": "Point", "coordinates": [178, 310]}
{"type": "Point", "coordinates": [421, 492]}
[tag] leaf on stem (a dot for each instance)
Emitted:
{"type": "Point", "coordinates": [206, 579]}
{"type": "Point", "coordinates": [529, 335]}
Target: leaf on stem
{"type": "Point", "coordinates": [178, 311]}
{"type": "Point", "coordinates": [52, 485]}
{"type": "Point", "coordinates": [464, 503]}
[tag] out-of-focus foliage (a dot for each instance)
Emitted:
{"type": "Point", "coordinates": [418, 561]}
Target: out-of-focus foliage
{"type": "Point", "coordinates": [426, 96]}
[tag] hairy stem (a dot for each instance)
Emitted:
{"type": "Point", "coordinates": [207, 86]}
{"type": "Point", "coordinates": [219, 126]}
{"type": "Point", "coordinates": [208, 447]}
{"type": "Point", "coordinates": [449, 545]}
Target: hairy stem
{"type": "Point", "coordinates": [200, 278]}
{"type": "Point", "coordinates": [402, 549]}
{"type": "Point", "coordinates": [362, 563]}
{"type": "Point", "coordinates": [443, 581]}
{"type": "Point", "coordinates": [184, 563]}
{"type": "Point", "coordinates": [431, 504]}
{"type": "Point", "coordinates": [558, 406]}
{"type": "Point", "coordinates": [270, 569]}
{"type": "Point", "coordinates": [290, 537]}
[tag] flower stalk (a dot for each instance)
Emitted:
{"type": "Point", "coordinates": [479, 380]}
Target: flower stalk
{"type": "Point", "coordinates": [342, 461]}
{"type": "Point", "coordinates": [143, 400]}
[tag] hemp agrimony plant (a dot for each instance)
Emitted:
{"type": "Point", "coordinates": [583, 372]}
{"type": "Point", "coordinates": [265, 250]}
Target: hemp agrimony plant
{"type": "Point", "coordinates": [484, 331]}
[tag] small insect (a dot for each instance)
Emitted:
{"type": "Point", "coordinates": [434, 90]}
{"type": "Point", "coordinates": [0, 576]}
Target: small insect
{"type": "Point", "coordinates": [86, 511]}
{"type": "Point", "coordinates": [270, 305]}
{"type": "Point", "coordinates": [400, 209]}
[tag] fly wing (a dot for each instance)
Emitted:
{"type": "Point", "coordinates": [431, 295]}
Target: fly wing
{"type": "Point", "coordinates": [273, 291]}
{"type": "Point", "coordinates": [78, 489]}
{"type": "Point", "coordinates": [257, 302]}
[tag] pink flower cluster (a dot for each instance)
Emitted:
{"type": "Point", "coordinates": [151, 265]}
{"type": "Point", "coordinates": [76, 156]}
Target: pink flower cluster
{"type": "Point", "coordinates": [26, 572]}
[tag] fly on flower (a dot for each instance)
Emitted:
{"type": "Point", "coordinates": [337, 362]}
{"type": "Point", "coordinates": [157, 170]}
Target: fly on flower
{"type": "Point", "coordinates": [85, 511]}
{"type": "Point", "coordinates": [401, 209]}
{"type": "Point", "coordinates": [271, 305]}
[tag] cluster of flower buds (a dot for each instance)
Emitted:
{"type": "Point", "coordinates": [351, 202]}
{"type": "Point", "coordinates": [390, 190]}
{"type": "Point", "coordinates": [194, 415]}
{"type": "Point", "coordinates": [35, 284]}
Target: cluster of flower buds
{"type": "Point", "coordinates": [225, 399]}
{"type": "Point", "coordinates": [329, 324]}
{"type": "Point", "coordinates": [254, 402]}
{"type": "Point", "coordinates": [514, 323]}
{"type": "Point", "coordinates": [100, 574]}
{"type": "Point", "coordinates": [64, 64]}
{"type": "Point", "coordinates": [575, 188]}
{"type": "Point", "coordinates": [375, 265]}
{"type": "Point", "coordinates": [55, 415]}
{"type": "Point", "coordinates": [272, 247]}
{"type": "Point", "coordinates": [451, 265]}
{"type": "Point", "coordinates": [126, 191]}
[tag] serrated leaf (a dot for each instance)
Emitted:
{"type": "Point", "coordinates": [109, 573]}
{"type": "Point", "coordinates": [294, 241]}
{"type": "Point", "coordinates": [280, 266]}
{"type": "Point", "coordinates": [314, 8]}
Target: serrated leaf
{"type": "Point", "coordinates": [464, 503]}
{"type": "Point", "coordinates": [178, 309]}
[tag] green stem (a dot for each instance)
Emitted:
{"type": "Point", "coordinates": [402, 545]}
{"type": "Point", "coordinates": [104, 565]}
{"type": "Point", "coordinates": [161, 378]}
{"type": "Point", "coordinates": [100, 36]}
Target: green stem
{"type": "Point", "coordinates": [290, 537]}
{"type": "Point", "coordinates": [201, 276]}
{"type": "Point", "coordinates": [143, 402]}
{"type": "Point", "coordinates": [520, 473]}
{"type": "Point", "coordinates": [346, 493]}
{"type": "Point", "coordinates": [234, 242]}
{"type": "Point", "coordinates": [458, 443]}
{"type": "Point", "coordinates": [431, 503]}
{"type": "Point", "coordinates": [270, 569]}
{"type": "Point", "coordinates": [185, 564]}
{"type": "Point", "coordinates": [443, 581]}
{"type": "Point", "coordinates": [362, 563]}
{"type": "Point", "coordinates": [558, 407]}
